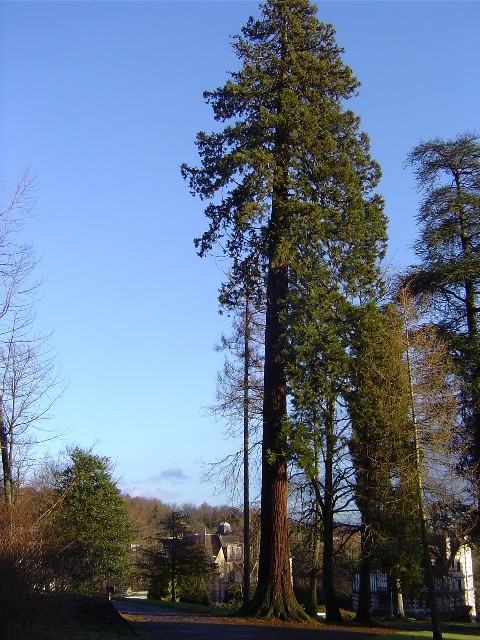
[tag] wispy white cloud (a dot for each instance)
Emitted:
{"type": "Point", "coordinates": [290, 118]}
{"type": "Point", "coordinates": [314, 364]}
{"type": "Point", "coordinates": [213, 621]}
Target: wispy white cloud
{"type": "Point", "coordinates": [173, 475]}
{"type": "Point", "coordinates": [164, 486]}
{"type": "Point", "coordinates": [142, 490]}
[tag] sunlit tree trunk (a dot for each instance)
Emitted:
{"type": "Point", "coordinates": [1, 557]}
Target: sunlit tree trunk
{"type": "Point", "coordinates": [6, 461]}
{"type": "Point", "coordinates": [246, 462]}
{"type": "Point", "coordinates": [400, 612]}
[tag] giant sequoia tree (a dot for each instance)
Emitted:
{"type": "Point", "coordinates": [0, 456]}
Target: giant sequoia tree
{"type": "Point", "coordinates": [288, 170]}
{"type": "Point", "coordinates": [448, 173]}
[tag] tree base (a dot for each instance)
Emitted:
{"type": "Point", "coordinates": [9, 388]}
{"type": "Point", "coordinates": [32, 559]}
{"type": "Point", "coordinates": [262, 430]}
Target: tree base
{"type": "Point", "coordinates": [335, 618]}
{"type": "Point", "coordinates": [363, 619]}
{"type": "Point", "coordinates": [284, 608]}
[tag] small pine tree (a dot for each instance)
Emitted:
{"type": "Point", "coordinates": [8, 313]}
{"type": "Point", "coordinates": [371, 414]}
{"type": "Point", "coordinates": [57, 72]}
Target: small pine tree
{"type": "Point", "coordinates": [176, 565]}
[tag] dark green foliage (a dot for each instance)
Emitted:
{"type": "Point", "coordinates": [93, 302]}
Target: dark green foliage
{"type": "Point", "coordinates": [378, 400]}
{"type": "Point", "coordinates": [291, 139]}
{"type": "Point", "coordinates": [378, 404]}
{"type": "Point", "coordinates": [193, 587]}
{"type": "Point", "coordinates": [448, 174]}
{"type": "Point", "coordinates": [176, 563]}
{"type": "Point", "coordinates": [159, 579]}
{"type": "Point", "coordinates": [91, 526]}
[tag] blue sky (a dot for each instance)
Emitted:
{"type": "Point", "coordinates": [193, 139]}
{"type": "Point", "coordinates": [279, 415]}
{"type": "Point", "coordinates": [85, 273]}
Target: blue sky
{"type": "Point", "coordinates": [103, 100]}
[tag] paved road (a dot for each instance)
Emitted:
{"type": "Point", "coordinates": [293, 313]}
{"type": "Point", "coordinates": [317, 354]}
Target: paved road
{"type": "Point", "coordinates": [165, 624]}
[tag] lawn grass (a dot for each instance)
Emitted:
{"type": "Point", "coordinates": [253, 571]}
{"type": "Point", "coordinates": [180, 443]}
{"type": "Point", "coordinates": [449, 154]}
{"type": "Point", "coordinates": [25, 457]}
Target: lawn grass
{"type": "Point", "coordinates": [413, 635]}
{"type": "Point", "coordinates": [450, 631]}
{"type": "Point", "coordinates": [208, 610]}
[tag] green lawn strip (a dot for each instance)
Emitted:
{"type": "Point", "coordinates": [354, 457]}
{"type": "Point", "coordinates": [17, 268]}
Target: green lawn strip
{"type": "Point", "coordinates": [412, 635]}
{"type": "Point", "coordinates": [188, 607]}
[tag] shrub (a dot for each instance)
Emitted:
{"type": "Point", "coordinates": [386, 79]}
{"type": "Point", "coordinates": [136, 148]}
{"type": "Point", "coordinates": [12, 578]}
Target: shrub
{"type": "Point", "coordinates": [22, 573]}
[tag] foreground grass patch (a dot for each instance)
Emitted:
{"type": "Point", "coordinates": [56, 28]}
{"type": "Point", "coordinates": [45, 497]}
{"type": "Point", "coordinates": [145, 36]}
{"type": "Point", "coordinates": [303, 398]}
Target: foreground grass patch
{"type": "Point", "coordinates": [449, 632]}
{"type": "Point", "coordinates": [412, 635]}
{"type": "Point", "coordinates": [207, 610]}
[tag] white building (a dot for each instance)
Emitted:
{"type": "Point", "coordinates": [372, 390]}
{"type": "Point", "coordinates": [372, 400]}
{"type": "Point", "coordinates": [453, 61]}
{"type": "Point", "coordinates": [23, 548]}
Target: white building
{"type": "Point", "coordinates": [455, 589]}
{"type": "Point", "coordinates": [226, 554]}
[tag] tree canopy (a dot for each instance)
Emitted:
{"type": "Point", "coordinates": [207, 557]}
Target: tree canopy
{"type": "Point", "coordinates": [448, 175]}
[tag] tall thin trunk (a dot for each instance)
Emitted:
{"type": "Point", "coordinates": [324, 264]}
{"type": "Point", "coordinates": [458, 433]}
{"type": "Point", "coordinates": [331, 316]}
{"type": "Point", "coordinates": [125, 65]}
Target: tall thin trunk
{"type": "Point", "coordinates": [364, 590]}
{"type": "Point", "coordinates": [246, 471]}
{"type": "Point", "coordinates": [399, 595]}
{"type": "Point", "coordinates": [312, 608]}
{"type": "Point", "coordinates": [6, 462]}
{"type": "Point", "coordinates": [427, 560]}
{"type": "Point", "coordinates": [274, 595]}
{"type": "Point", "coordinates": [331, 603]}
{"type": "Point", "coordinates": [314, 571]}
{"type": "Point", "coordinates": [174, 558]}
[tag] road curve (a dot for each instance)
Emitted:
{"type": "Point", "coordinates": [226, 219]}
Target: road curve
{"type": "Point", "coordinates": [168, 624]}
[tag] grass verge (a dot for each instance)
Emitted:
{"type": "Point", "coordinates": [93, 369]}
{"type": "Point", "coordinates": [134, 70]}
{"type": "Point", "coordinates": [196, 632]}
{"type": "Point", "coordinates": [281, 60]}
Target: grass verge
{"type": "Point", "coordinates": [200, 609]}
{"type": "Point", "coordinates": [413, 635]}
{"type": "Point", "coordinates": [450, 631]}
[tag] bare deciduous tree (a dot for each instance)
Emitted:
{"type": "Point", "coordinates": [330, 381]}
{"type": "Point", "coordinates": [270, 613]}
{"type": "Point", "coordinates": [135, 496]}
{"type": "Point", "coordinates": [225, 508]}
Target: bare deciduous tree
{"type": "Point", "coordinates": [29, 382]}
{"type": "Point", "coordinates": [434, 415]}
{"type": "Point", "coordinates": [239, 401]}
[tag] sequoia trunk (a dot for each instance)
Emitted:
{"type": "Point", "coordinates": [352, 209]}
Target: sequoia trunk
{"type": "Point", "coordinates": [274, 596]}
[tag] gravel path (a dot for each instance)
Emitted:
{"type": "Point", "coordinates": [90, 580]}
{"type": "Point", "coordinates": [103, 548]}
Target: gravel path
{"type": "Point", "coordinates": [168, 624]}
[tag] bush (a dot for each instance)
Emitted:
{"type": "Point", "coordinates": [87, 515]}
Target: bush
{"type": "Point", "coordinates": [159, 589]}
{"type": "Point", "coordinates": [22, 573]}
{"type": "Point", "coordinates": [234, 595]}
{"type": "Point", "coordinates": [194, 592]}
{"type": "Point", "coordinates": [195, 598]}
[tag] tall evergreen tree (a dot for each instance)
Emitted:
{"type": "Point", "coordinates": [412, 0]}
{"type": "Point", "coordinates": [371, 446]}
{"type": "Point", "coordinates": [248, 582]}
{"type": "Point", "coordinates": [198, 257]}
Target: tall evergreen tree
{"type": "Point", "coordinates": [92, 528]}
{"type": "Point", "coordinates": [288, 170]}
{"type": "Point", "coordinates": [448, 174]}
{"type": "Point", "coordinates": [175, 564]}
{"type": "Point", "coordinates": [378, 405]}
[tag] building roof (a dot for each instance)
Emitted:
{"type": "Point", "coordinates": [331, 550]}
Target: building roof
{"type": "Point", "coordinates": [224, 529]}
